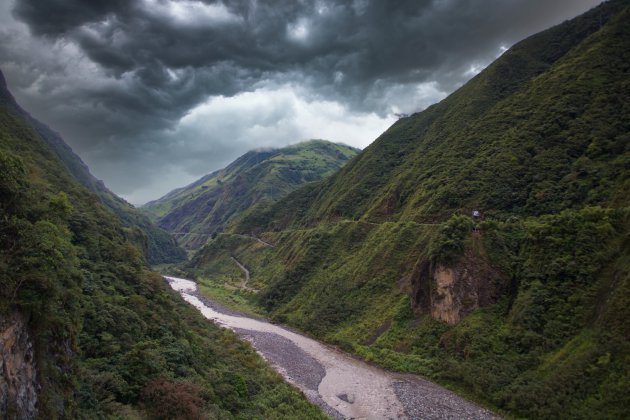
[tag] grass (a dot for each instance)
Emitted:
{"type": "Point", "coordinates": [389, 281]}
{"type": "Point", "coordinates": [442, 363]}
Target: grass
{"type": "Point", "coordinates": [236, 299]}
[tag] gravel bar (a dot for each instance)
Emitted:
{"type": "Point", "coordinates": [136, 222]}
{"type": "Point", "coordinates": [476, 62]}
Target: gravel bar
{"type": "Point", "coordinates": [353, 382]}
{"type": "Point", "coordinates": [423, 399]}
{"type": "Point", "coordinates": [295, 365]}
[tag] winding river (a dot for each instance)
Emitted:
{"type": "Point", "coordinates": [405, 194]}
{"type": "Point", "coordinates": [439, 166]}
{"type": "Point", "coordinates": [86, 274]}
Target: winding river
{"type": "Point", "coordinates": [341, 385]}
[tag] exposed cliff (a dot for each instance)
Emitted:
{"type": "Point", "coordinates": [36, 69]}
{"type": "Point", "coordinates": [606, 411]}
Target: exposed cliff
{"type": "Point", "coordinates": [449, 293]}
{"type": "Point", "coordinates": [18, 382]}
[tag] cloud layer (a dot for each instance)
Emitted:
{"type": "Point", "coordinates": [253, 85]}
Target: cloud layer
{"type": "Point", "coordinates": [180, 87]}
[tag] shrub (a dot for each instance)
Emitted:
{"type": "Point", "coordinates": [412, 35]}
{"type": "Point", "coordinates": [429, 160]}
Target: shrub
{"type": "Point", "coordinates": [166, 399]}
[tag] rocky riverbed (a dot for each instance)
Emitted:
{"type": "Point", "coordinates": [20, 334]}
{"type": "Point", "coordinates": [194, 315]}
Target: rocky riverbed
{"type": "Point", "coordinates": [341, 385]}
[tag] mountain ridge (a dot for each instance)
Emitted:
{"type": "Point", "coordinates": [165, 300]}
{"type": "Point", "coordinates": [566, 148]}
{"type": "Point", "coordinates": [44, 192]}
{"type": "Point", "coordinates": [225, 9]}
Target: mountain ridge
{"type": "Point", "coordinates": [255, 179]}
{"type": "Point", "coordinates": [158, 245]}
{"type": "Point", "coordinates": [376, 194]}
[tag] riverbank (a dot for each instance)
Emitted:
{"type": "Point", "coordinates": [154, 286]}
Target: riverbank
{"type": "Point", "coordinates": [341, 385]}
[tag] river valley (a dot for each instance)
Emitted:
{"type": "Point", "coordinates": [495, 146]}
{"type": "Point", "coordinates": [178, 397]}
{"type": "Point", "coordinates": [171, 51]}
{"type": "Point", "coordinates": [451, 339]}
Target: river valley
{"type": "Point", "coordinates": [343, 386]}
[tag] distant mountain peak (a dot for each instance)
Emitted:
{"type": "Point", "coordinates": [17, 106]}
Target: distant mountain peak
{"type": "Point", "coordinates": [6, 97]}
{"type": "Point", "coordinates": [258, 178]}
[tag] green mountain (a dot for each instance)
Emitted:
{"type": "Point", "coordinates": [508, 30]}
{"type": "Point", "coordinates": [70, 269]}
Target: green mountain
{"type": "Point", "coordinates": [256, 179]}
{"type": "Point", "coordinates": [86, 331]}
{"type": "Point", "coordinates": [157, 244]}
{"type": "Point", "coordinates": [526, 309]}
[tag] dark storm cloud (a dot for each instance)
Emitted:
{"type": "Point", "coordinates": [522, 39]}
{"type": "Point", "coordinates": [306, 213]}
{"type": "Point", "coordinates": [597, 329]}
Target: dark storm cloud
{"type": "Point", "coordinates": [155, 60]}
{"type": "Point", "coordinates": [56, 17]}
{"type": "Point", "coordinates": [342, 47]}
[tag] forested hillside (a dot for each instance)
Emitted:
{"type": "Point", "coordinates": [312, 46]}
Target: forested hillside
{"type": "Point", "coordinates": [87, 331]}
{"type": "Point", "coordinates": [158, 245]}
{"type": "Point", "coordinates": [255, 180]}
{"type": "Point", "coordinates": [526, 308]}
{"type": "Point", "coordinates": [528, 136]}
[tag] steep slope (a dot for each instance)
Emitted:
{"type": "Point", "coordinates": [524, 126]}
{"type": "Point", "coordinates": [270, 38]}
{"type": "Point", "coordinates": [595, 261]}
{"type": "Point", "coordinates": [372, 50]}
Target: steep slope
{"type": "Point", "coordinates": [519, 138]}
{"type": "Point", "coordinates": [86, 331]}
{"type": "Point", "coordinates": [256, 179]}
{"type": "Point", "coordinates": [158, 245]}
{"type": "Point", "coordinates": [526, 309]}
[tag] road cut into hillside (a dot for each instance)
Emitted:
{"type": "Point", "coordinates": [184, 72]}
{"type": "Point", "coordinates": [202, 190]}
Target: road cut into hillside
{"type": "Point", "coordinates": [343, 386]}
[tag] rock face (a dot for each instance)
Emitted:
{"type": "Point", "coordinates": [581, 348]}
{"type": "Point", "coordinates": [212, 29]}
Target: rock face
{"type": "Point", "coordinates": [451, 293]}
{"type": "Point", "coordinates": [18, 379]}
{"type": "Point", "coordinates": [445, 303]}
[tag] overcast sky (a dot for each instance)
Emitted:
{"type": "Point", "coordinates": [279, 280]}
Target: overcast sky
{"type": "Point", "coordinates": [153, 94]}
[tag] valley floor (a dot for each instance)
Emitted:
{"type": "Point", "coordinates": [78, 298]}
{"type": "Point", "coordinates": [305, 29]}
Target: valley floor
{"type": "Point", "coordinates": [341, 385]}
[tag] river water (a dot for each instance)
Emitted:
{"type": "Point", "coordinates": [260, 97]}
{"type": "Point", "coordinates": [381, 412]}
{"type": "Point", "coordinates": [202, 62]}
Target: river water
{"type": "Point", "coordinates": [346, 387]}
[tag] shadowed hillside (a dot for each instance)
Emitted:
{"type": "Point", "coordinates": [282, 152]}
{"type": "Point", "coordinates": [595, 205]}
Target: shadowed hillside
{"type": "Point", "coordinates": [87, 331]}
{"type": "Point", "coordinates": [158, 245]}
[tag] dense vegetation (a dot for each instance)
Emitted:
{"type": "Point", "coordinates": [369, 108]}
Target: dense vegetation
{"type": "Point", "coordinates": [538, 324]}
{"type": "Point", "coordinates": [255, 180]}
{"type": "Point", "coordinates": [157, 245]}
{"type": "Point", "coordinates": [543, 128]}
{"type": "Point", "coordinates": [111, 339]}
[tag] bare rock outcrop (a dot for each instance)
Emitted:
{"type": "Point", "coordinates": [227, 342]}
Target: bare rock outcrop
{"type": "Point", "coordinates": [18, 378]}
{"type": "Point", "coordinates": [451, 293]}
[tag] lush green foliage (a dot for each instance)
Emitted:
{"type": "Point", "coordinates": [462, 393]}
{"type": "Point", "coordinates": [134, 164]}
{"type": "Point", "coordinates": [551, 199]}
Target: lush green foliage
{"type": "Point", "coordinates": [543, 128]}
{"type": "Point", "coordinates": [157, 245]}
{"type": "Point", "coordinates": [554, 343]}
{"type": "Point", "coordinates": [254, 180]}
{"type": "Point", "coordinates": [539, 143]}
{"type": "Point", "coordinates": [448, 246]}
{"type": "Point", "coordinates": [111, 339]}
